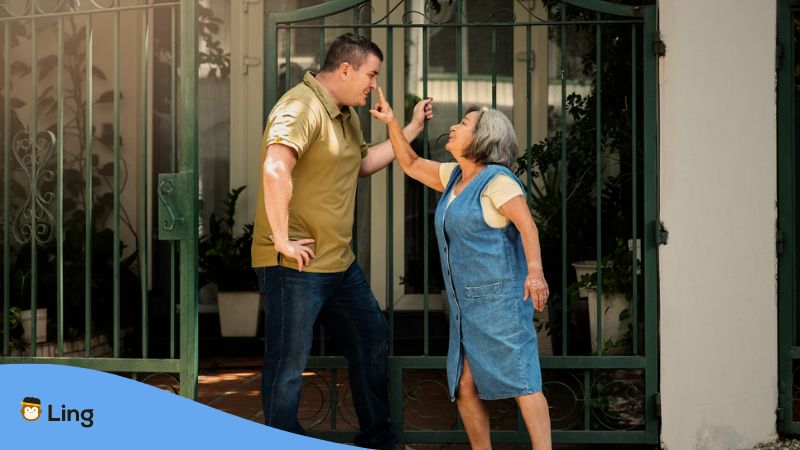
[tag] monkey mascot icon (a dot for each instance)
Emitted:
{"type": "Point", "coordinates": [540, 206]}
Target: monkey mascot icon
{"type": "Point", "coordinates": [31, 408]}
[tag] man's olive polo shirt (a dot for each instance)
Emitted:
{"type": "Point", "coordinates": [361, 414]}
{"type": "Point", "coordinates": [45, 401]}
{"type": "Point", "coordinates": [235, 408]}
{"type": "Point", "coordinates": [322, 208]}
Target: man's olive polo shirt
{"type": "Point", "coordinates": [329, 146]}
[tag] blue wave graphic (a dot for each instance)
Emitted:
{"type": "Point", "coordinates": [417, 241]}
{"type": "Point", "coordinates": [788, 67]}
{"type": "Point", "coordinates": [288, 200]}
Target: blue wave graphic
{"type": "Point", "coordinates": [124, 414]}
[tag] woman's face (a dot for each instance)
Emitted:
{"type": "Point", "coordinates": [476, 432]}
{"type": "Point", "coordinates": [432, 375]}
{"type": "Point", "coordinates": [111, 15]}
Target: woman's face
{"type": "Point", "coordinates": [460, 137]}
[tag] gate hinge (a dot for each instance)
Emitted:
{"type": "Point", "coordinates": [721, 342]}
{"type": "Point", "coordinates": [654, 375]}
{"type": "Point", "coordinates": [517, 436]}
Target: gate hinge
{"type": "Point", "coordinates": [779, 415]}
{"type": "Point", "coordinates": [659, 47]}
{"type": "Point", "coordinates": [660, 233]}
{"type": "Point", "coordinates": [778, 56]}
{"type": "Point", "coordinates": [779, 239]}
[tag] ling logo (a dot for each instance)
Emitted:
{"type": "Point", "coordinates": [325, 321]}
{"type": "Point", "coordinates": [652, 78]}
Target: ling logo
{"type": "Point", "coordinates": [31, 408]}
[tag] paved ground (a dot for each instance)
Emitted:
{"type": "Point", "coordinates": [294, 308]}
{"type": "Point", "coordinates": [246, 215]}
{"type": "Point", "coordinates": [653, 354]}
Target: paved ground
{"type": "Point", "coordinates": [782, 444]}
{"type": "Point", "coordinates": [234, 386]}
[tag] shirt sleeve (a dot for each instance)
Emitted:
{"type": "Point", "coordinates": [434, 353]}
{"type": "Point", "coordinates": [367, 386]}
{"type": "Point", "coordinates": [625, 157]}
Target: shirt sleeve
{"type": "Point", "coordinates": [292, 124]}
{"type": "Point", "coordinates": [446, 171]}
{"type": "Point", "coordinates": [501, 189]}
{"type": "Point", "coordinates": [364, 146]}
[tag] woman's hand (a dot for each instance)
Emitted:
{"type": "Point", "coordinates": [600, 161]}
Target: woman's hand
{"type": "Point", "coordinates": [536, 288]}
{"type": "Point", "coordinates": [382, 110]}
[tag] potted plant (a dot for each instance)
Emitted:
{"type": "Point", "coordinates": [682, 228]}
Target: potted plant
{"type": "Point", "coordinates": [617, 291]}
{"type": "Point", "coordinates": [16, 339]}
{"type": "Point", "coordinates": [225, 261]}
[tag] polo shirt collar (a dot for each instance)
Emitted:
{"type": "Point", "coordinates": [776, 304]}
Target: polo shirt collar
{"type": "Point", "coordinates": [325, 97]}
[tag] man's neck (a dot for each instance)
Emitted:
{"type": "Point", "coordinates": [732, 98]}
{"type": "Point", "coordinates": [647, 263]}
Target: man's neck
{"type": "Point", "coordinates": [330, 84]}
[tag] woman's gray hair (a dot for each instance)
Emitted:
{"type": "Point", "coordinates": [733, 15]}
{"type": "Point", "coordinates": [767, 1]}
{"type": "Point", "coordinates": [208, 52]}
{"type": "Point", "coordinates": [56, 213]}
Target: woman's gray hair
{"type": "Point", "coordinates": [494, 140]}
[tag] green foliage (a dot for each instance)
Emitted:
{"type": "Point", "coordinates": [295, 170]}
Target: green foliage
{"type": "Point", "coordinates": [15, 341]}
{"type": "Point", "coordinates": [224, 256]}
{"type": "Point", "coordinates": [617, 273]}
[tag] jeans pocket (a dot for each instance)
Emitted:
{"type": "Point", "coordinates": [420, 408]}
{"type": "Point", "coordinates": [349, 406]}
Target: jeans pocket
{"type": "Point", "coordinates": [484, 291]}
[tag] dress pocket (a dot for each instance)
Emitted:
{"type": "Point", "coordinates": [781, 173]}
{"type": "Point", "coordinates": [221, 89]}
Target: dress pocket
{"type": "Point", "coordinates": [484, 291]}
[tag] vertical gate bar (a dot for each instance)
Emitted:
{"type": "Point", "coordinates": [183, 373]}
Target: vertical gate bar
{"type": "Point", "coordinates": [334, 397]}
{"type": "Point", "coordinates": [426, 260]}
{"type": "Point", "coordinates": [459, 55]}
{"type": "Point", "coordinates": [564, 295]}
{"type": "Point", "coordinates": [787, 201]}
{"type": "Point", "coordinates": [354, 240]}
{"type": "Point", "coordinates": [390, 179]}
{"type": "Point", "coordinates": [599, 182]}
{"type": "Point", "coordinates": [117, 250]}
{"type": "Point", "coordinates": [396, 398]}
{"type": "Point", "coordinates": [287, 55]}
{"type": "Point", "coordinates": [173, 168]}
{"type": "Point", "coordinates": [322, 340]}
{"type": "Point", "coordinates": [322, 45]}
{"type": "Point", "coordinates": [270, 85]}
{"type": "Point", "coordinates": [270, 65]}
{"type": "Point", "coordinates": [390, 196]}
{"type": "Point", "coordinates": [34, 194]}
{"type": "Point", "coordinates": [6, 184]}
{"type": "Point", "coordinates": [87, 335]}
{"type": "Point", "coordinates": [651, 208]}
{"type": "Point", "coordinates": [587, 400]}
{"type": "Point", "coordinates": [528, 70]}
{"type": "Point", "coordinates": [188, 163]}
{"type": "Point", "coordinates": [60, 195]}
{"type": "Point", "coordinates": [143, 239]}
{"type": "Point", "coordinates": [494, 67]}
{"type": "Point", "coordinates": [634, 193]}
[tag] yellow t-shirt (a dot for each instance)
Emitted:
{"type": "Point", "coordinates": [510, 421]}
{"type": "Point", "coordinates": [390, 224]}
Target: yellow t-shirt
{"type": "Point", "coordinates": [330, 145]}
{"type": "Point", "coordinates": [499, 190]}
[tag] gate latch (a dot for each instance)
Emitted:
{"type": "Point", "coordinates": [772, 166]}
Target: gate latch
{"type": "Point", "coordinates": [173, 205]}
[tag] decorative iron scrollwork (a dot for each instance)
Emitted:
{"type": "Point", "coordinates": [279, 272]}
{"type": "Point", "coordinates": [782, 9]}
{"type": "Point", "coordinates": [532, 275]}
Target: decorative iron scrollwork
{"type": "Point", "coordinates": [34, 222]}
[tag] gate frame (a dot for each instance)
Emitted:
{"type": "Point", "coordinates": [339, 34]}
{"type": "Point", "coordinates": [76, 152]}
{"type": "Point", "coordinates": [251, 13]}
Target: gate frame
{"type": "Point", "coordinates": [650, 239]}
{"type": "Point", "coordinates": [187, 363]}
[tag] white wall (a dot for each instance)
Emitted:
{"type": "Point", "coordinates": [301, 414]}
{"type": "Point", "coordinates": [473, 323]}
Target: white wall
{"type": "Point", "coordinates": [718, 325]}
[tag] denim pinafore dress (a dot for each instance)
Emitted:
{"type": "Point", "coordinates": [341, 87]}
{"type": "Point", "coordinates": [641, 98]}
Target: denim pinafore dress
{"type": "Point", "coordinates": [484, 271]}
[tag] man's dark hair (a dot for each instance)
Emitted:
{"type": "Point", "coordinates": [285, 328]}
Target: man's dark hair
{"type": "Point", "coordinates": [351, 48]}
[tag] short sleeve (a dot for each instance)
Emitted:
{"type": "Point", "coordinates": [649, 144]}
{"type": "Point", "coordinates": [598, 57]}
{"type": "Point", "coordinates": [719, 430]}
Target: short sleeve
{"type": "Point", "coordinates": [364, 147]}
{"type": "Point", "coordinates": [293, 124]}
{"type": "Point", "coordinates": [502, 189]}
{"type": "Point", "coordinates": [446, 171]}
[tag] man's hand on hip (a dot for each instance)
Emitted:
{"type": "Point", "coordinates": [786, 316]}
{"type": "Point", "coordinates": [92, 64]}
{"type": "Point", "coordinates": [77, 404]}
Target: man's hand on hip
{"type": "Point", "coordinates": [297, 250]}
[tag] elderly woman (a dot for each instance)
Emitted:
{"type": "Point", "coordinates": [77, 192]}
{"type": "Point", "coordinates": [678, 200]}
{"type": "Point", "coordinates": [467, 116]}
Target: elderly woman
{"type": "Point", "coordinates": [491, 263]}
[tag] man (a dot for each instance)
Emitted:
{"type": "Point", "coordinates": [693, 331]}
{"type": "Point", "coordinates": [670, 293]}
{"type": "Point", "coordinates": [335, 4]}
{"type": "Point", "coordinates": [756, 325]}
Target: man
{"type": "Point", "coordinates": [313, 151]}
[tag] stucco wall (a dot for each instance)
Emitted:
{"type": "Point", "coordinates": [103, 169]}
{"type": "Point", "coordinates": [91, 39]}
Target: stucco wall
{"type": "Point", "coordinates": [718, 327]}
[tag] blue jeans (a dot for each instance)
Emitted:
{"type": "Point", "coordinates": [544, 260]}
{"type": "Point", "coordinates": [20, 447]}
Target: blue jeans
{"type": "Point", "coordinates": [347, 308]}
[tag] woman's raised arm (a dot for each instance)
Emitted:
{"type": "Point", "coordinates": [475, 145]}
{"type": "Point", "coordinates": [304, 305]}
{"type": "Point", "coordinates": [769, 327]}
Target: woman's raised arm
{"type": "Point", "coordinates": [423, 170]}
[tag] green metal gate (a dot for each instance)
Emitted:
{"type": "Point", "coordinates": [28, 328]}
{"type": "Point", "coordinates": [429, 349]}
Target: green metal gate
{"type": "Point", "coordinates": [788, 28]}
{"type": "Point", "coordinates": [99, 131]}
{"type": "Point", "coordinates": [592, 187]}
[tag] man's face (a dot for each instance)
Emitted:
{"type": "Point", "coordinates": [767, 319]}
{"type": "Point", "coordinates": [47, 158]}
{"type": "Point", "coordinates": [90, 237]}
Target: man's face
{"type": "Point", "coordinates": [361, 81]}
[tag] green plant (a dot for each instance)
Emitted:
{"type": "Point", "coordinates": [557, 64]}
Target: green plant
{"type": "Point", "coordinates": [15, 339]}
{"type": "Point", "coordinates": [617, 277]}
{"type": "Point", "coordinates": [616, 269]}
{"type": "Point", "coordinates": [225, 256]}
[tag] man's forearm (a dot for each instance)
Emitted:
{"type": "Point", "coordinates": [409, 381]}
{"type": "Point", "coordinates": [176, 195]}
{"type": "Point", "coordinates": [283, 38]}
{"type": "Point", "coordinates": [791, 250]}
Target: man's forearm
{"type": "Point", "coordinates": [277, 194]}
